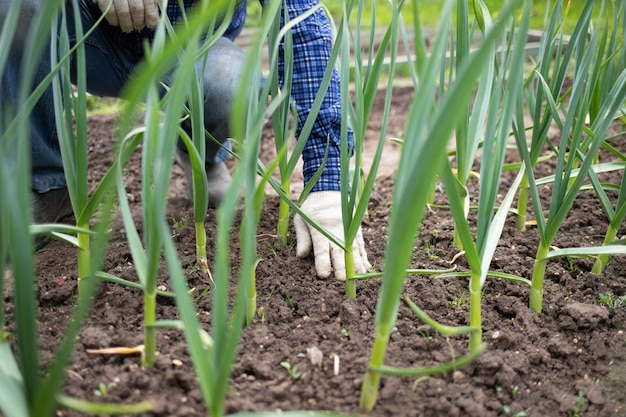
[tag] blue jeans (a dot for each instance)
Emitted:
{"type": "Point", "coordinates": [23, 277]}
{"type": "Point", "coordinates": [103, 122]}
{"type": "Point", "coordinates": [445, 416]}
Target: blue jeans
{"type": "Point", "coordinates": [108, 68]}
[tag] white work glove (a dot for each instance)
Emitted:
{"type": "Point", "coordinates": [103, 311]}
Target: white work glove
{"type": "Point", "coordinates": [324, 207]}
{"type": "Point", "coordinates": [130, 15]}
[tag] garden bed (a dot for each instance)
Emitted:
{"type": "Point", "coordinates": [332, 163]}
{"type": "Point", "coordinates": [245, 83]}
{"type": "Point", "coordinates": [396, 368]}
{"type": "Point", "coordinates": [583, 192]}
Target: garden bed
{"type": "Point", "coordinates": [569, 360]}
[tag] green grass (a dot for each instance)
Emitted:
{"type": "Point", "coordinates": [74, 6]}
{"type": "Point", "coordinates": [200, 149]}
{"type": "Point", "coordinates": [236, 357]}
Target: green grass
{"type": "Point", "coordinates": [611, 301]}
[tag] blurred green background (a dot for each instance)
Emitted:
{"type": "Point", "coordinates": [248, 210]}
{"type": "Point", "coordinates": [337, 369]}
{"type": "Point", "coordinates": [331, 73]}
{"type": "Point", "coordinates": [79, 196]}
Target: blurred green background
{"type": "Point", "coordinates": [430, 9]}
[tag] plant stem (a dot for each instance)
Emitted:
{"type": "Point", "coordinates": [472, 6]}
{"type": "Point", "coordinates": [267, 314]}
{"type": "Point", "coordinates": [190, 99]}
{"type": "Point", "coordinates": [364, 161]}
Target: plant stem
{"type": "Point", "coordinates": [432, 370]}
{"type": "Point", "coordinates": [350, 283]}
{"type": "Point", "coordinates": [201, 246]}
{"type": "Point", "coordinates": [466, 203]}
{"type": "Point", "coordinates": [149, 330]}
{"type": "Point", "coordinates": [369, 391]}
{"type": "Point", "coordinates": [283, 213]}
{"type": "Point", "coordinates": [539, 271]}
{"type": "Point", "coordinates": [88, 407]}
{"type": "Point", "coordinates": [431, 194]}
{"type": "Point", "coordinates": [522, 204]}
{"type": "Point", "coordinates": [438, 327]}
{"type": "Point", "coordinates": [475, 312]}
{"type": "Point", "coordinates": [84, 257]}
{"type": "Point", "coordinates": [602, 260]}
{"type": "Point", "coordinates": [251, 299]}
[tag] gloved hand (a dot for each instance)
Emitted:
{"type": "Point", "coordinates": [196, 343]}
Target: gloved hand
{"type": "Point", "coordinates": [131, 15]}
{"type": "Point", "coordinates": [325, 208]}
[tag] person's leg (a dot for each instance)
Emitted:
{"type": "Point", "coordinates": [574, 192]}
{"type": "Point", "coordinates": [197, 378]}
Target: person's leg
{"type": "Point", "coordinates": [107, 71]}
{"type": "Point", "coordinates": [108, 68]}
{"type": "Point", "coordinates": [46, 158]}
{"type": "Point", "coordinates": [49, 199]}
{"type": "Point", "coordinates": [221, 80]}
{"type": "Point", "coordinates": [28, 10]}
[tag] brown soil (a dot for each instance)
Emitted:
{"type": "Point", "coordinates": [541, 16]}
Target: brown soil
{"type": "Point", "coordinates": [570, 360]}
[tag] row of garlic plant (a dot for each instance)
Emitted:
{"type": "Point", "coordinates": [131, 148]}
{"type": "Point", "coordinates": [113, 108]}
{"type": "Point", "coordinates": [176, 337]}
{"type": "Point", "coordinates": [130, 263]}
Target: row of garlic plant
{"type": "Point", "coordinates": [163, 110]}
{"type": "Point", "coordinates": [491, 115]}
{"type": "Point", "coordinates": [163, 113]}
{"type": "Point", "coordinates": [430, 140]}
{"type": "Point", "coordinates": [586, 57]}
{"type": "Point", "coordinates": [248, 117]}
{"type": "Point", "coordinates": [493, 125]}
{"type": "Point", "coordinates": [214, 355]}
{"type": "Point", "coordinates": [429, 127]}
{"type": "Point", "coordinates": [25, 392]}
{"type": "Point", "coordinates": [366, 73]}
{"type": "Point", "coordinates": [24, 389]}
{"type": "Point", "coordinates": [612, 55]}
{"type": "Point", "coordinates": [598, 90]}
{"type": "Point", "coordinates": [162, 119]}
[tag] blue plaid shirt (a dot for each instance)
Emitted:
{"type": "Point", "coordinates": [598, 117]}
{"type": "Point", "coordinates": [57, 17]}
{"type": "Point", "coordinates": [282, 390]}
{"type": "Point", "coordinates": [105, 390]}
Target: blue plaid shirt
{"type": "Point", "coordinates": [312, 43]}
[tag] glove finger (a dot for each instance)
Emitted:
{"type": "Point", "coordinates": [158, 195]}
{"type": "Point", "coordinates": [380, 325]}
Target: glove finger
{"type": "Point", "coordinates": [151, 10]}
{"type": "Point", "coordinates": [137, 14]}
{"type": "Point", "coordinates": [339, 261]}
{"type": "Point", "coordinates": [361, 263]}
{"type": "Point", "coordinates": [303, 237]}
{"type": "Point", "coordinates": [122, 10]}
{"type": "Point", "coordinates": [321, 250]}
{"type": "Point", "coordinates": [365, 262]}
{"type": "Point", "coordinates": [359, 266]}
{"type": "Point", "coordinates": [109, 12]}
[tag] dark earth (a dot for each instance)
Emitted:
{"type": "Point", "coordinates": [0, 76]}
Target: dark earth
{"type": "Point", "coordinates": [568, 361]}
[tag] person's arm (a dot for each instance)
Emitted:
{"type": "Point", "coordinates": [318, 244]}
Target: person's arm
{"type": "Point", "coordinates": [312, 44]}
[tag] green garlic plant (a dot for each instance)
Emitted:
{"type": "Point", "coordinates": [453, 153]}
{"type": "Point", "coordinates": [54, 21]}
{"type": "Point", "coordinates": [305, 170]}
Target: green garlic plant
{"type": "Point", "coordinates": [609, 71]}
{"type": "Point", "coordinates": [366, 74]}
{"type": "Point", "coordinates": [25, 389]}
{"type": "Point", "coordinates": [495, 113]}
{"type": "Point", "coordinates": [577, 152]}
{"type": "Point", "coordinates": [158, 136]}
{"type": "Point", "coordinates": [428, 129]}
{"type": "Point", "coordinates": [213, 366]}
{"type": "Point", "coordinates": [552, 62]}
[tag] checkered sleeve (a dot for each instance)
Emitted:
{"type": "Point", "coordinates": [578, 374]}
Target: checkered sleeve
{"type": "Point", "coordinates": [312, 44]}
